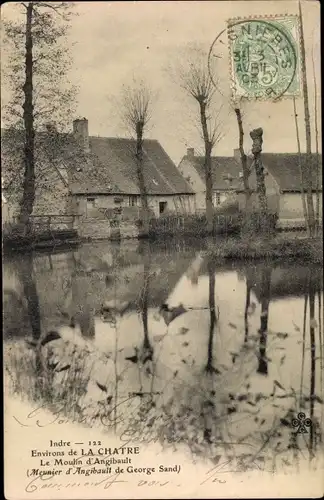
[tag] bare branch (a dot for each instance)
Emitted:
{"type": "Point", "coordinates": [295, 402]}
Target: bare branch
{"type": "Point", "coordinates": [56, 8]}
{"type": "Point", "coordinates": [136, 101]}
{"type": "Point", "coordinates": [194, 77]}
{"type": "Point", "coordinates": [135, 105]}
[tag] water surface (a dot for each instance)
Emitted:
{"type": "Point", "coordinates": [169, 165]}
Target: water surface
{"type": "Point", "coordinates": [232, 357]}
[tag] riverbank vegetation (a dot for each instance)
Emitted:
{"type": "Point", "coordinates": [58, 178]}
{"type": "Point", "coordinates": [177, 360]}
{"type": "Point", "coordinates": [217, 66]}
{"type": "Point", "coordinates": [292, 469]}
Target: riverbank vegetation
{"type": "Point", "coordinates": [227, 244]}
{"type": "Point", "coordinates": [279, 247]}
{"type": "Point", "coordinates": [198, 383]}
{"type": "Point", "coordinates": [15, 238]}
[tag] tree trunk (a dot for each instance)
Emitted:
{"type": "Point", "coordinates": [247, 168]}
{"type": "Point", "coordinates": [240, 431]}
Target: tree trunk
{"type": "Point", "coordinates": [256, 136]}
{"type": "Point", "coordinates": [245, 169]}
{"type": "Point", "coordinates": [309, 162]}
{"type": "Point", "coordinates": [301, 170]}
{"type": "Point", "coordinates": [317, 206]}
{"type": "Point", "coordinates": [141, 181]}
{"type": "Point", "coordinates": [28, 196]}
{"type": "Point", "coordinates": [208, 167]}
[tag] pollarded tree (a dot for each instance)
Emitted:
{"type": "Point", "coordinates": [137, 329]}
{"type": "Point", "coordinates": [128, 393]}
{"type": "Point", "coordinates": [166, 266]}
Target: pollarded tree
{"type": "Point", "coordinates": [244, 163]}
{"type": "Point", "coordinates": [35, 71]}
{"type": "Point", "coordinates": [136, 103]}
{"type": "Point", "coordinates": [193, 75]}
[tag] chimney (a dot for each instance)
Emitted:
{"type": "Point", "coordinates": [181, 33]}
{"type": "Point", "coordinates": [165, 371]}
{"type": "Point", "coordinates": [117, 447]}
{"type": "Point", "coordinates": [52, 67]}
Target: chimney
{"type": "Point", "coordinates": [237, 155]}
{"type": "Point", "coordinates": [81, 133]}
{"type": "Point", "coordinates": [190, 152]}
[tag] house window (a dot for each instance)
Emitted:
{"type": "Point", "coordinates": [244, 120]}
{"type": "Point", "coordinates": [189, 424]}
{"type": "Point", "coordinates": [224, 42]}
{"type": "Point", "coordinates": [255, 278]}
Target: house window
{"type": "Point", "coordinates": [133, 201]}
{"type": "Point", "coordinates": [162, 206]}
{"type": "Point", "coordinates": [91, 203]}
{"type": "Point", "coordinates": [217, 198]}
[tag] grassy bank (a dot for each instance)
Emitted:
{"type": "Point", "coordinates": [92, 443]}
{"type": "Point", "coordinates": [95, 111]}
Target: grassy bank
{"type": "Point", "coordinates": [278, 247]}
{"type": "Point", "coordinates": [14, 240]}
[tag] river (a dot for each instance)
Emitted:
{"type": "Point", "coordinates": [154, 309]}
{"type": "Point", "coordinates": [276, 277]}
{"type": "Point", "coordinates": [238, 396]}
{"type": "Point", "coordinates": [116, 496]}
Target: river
{"type": "Point", "coordinates": [163, 342]}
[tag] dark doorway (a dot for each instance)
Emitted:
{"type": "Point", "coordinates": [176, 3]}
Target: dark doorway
{"type": "Point", "coordinates": [162, 206]}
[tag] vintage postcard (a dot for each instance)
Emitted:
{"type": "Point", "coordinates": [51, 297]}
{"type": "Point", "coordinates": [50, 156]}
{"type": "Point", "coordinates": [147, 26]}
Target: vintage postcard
{"type": "Point", "coordinates": [162, 249]}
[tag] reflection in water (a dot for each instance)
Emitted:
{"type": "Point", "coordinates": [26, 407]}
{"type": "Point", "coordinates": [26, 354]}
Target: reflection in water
{"type": "Point", "coordinates": [312, 322]}
{"type": "Point", "coordinates": [115, 317]}
{"type": "Point", "coordinates": [249, 284]}
{"type": "Point", "coordinates": [87, 323]}
{"type": "Point", "coordinates": [319, 298]}
{"type": "Point", "coordinates": [265, 301]}
{"type": "Point", "coordinates": [33, 309]}
{"type": "Point", "coordinates": [211, 302]}
{"type": "Point", "coordinates": [304, 337]}
{"type": "Point", "coordinates": [147, 351]}
{"type": "Point", "coordinates": [31, 295]}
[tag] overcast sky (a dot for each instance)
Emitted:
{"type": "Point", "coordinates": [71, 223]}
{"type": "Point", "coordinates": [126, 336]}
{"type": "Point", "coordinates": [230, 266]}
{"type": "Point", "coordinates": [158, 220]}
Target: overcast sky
{"type": "Point", "coordinates": [116, 40]}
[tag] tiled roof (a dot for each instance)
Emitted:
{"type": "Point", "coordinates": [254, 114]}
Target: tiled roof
{"type": "Point", "coordinates": [112, 168]}
{"type": "Point", "coordinates": [225, 171]}
{"type": "Point", "coordinates": [284, 167]}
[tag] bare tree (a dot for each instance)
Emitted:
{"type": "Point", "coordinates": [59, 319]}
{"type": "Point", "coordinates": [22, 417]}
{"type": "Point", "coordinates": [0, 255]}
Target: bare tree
{"type": "Point", "coordinates": [301, 169]}
{"type": "Point", "coordinates": [136, 111]}
{"type": "Point", "coordinates": [309, 158]}
{"type": "Point", "coordinates": [317, 209]}
{"type": "Point", "coordinates": [37, 65]}
{"type": "Point", "coordinates": [195, 79]}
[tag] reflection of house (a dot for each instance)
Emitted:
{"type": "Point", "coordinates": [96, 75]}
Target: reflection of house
{"type": "Point", "coordinates": [88, 176]}
{"type": "Point", "coordinates": [293, 281]}
{"type": "Point", "coordinates": [225, 171]}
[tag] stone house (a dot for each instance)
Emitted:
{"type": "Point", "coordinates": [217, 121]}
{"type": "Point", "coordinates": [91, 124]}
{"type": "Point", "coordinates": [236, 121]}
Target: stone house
{"type": "Point", "coordinates": [92, 178]}
{"type": "Point", "coordinates": [282, 180]}
{"type": "Point", "coordinates": [55, 155]}
{"type": "Point", "coordinates": [226, 173]}
{"type": "Point", "coordinates": [109, 178]}
{"type": "Point", "coordinates": [283, 185]}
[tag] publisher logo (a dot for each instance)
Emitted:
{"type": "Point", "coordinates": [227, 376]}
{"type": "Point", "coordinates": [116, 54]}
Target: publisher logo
{"type": "Point", "coordinates": [301, 422]}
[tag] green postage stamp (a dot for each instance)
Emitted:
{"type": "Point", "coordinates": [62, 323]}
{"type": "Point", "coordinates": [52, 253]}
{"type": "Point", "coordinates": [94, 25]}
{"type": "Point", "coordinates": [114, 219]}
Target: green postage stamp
{"type": "Point", "coordinates": [264, 57]}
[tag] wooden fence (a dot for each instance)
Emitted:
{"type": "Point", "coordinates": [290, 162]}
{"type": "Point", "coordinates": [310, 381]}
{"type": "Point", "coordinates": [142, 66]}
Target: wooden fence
{"type": "Point", "coordinates": [193, 224]}
{"type": "Point", "coordinates": [53, 222]}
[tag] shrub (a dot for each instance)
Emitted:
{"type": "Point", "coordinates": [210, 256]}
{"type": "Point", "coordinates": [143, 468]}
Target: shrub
{"type": "Point", "coordinates": [194, 224]}
{"type": "Point", "coordinates": [258, 223]}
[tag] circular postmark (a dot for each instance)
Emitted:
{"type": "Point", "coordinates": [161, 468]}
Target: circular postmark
{"type": "Point", "coordinates": [263, 57]}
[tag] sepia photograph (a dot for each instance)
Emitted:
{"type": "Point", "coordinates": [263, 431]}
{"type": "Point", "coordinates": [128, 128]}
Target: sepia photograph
{"type": "Point", "coordinates": [161, 183]}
